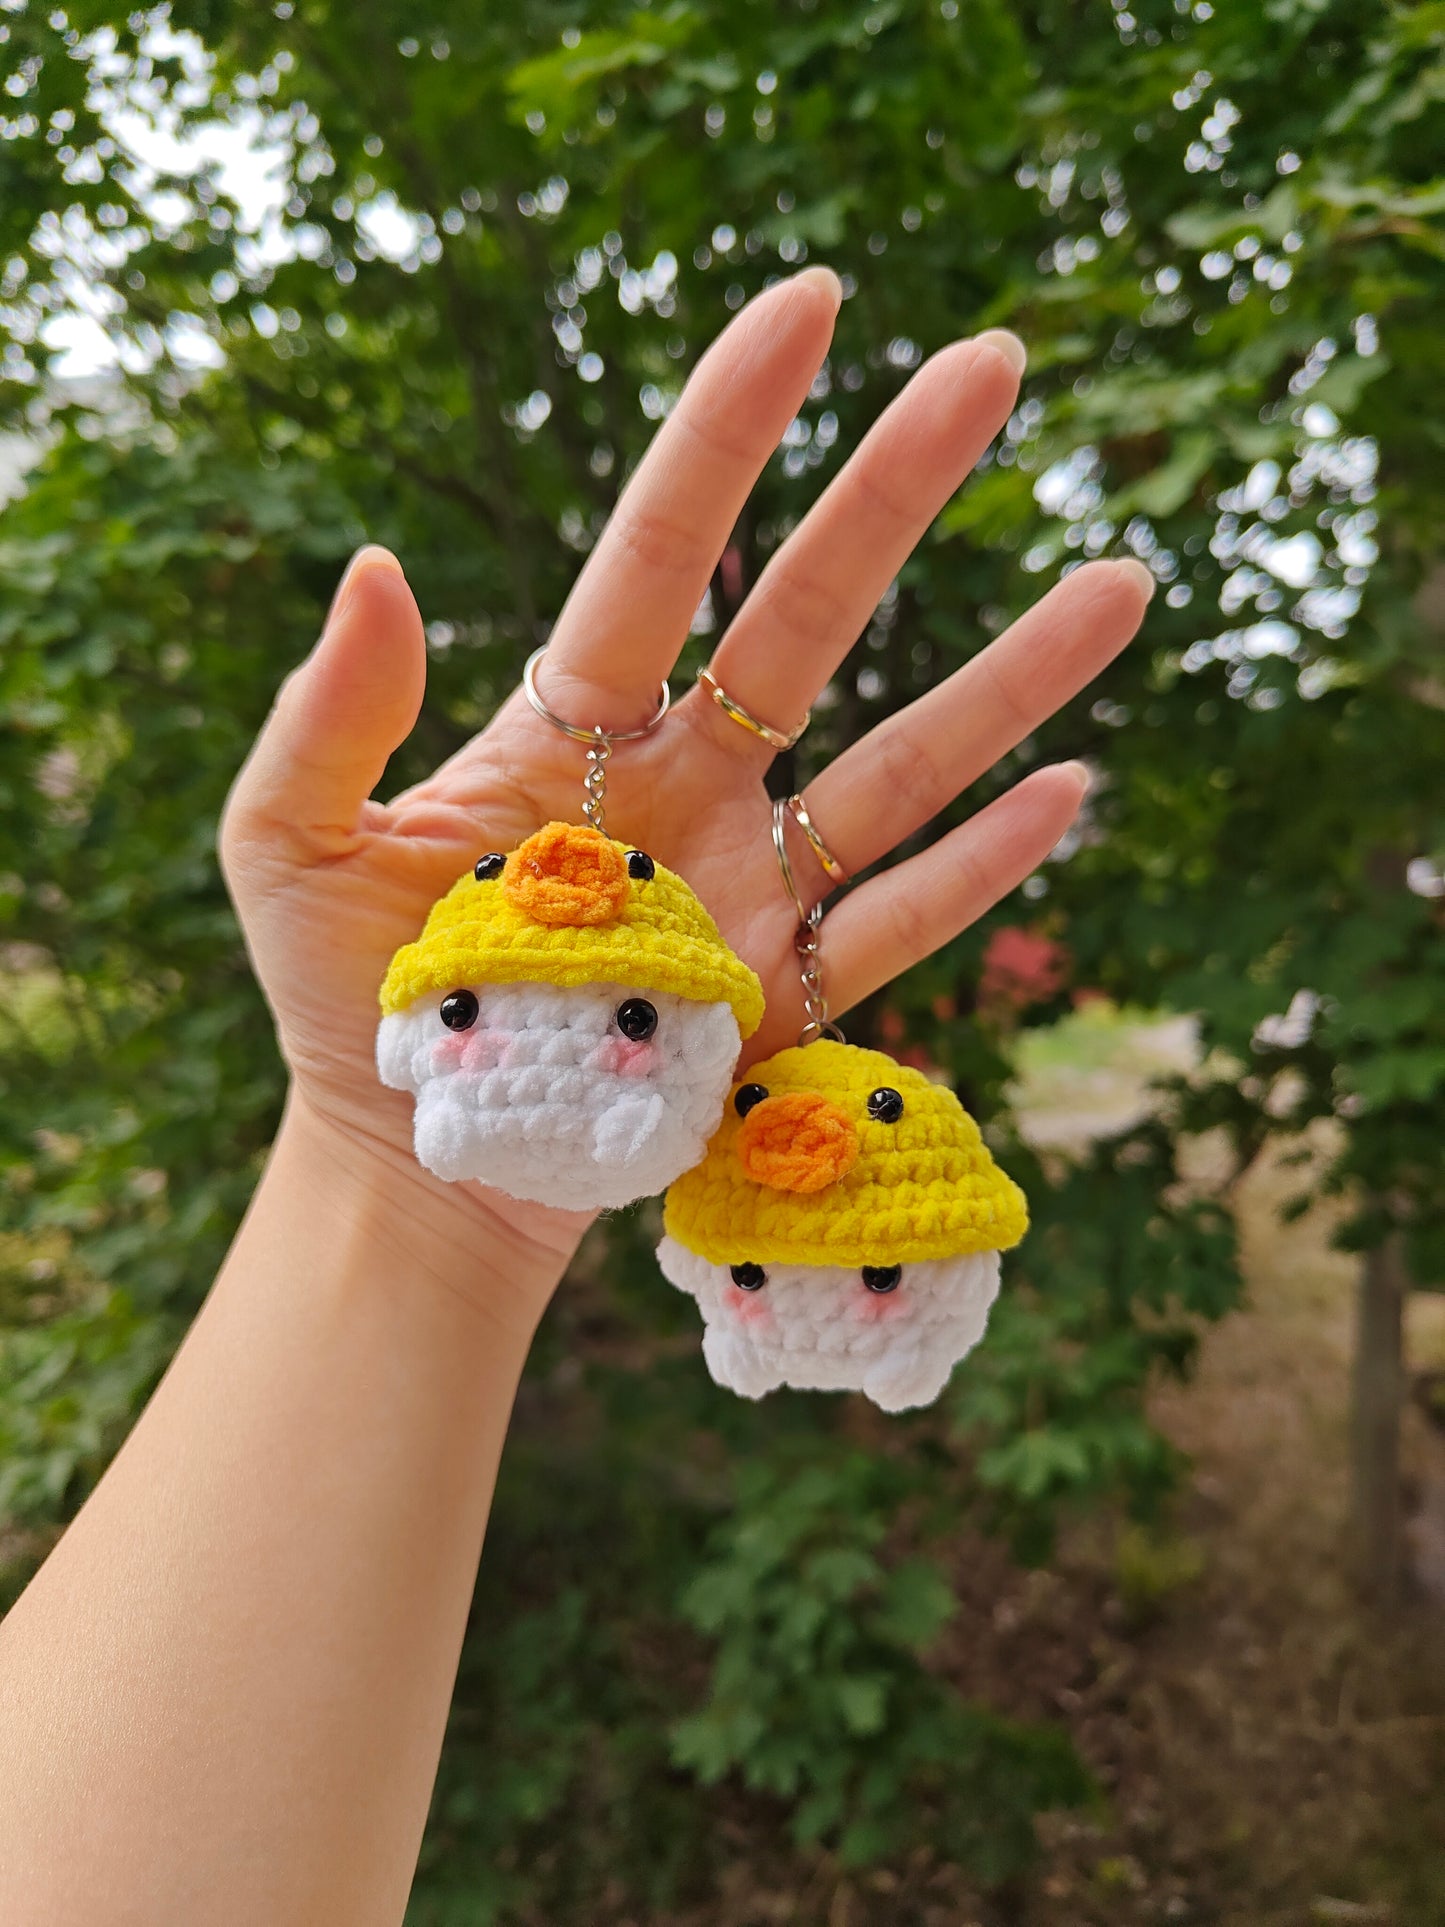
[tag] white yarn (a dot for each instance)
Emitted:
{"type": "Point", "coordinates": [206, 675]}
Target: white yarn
{"type": "Point", "coordinates": [818, 1328]}
{"type": "Point", "coordinates": [538, 1113]}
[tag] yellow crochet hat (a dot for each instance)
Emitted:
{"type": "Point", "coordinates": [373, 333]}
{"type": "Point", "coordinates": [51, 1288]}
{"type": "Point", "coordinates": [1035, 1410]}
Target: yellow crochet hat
{"type": "Point", "coordinates": [834, 1155]}
{"type": "Point", "coordinates": [571, 906]}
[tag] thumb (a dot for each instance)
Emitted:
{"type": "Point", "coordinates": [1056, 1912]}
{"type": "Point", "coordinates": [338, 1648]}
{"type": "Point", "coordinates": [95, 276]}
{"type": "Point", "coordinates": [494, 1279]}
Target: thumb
{"type": "Point", "coordinates": [339, 715]}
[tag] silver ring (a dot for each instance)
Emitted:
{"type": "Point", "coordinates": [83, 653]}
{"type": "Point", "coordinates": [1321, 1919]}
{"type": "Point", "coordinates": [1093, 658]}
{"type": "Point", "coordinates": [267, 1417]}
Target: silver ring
{"type": "Point", "coordinates": [807, 918]}
{"type": "Point", "coordinates": [835, 870]}
{"type": "Point", "coordinates": [820, 1027]}
{"type": "Point", "coordinates": [575, 730]}
{"type": "Point", "coordinates": [734, 709]}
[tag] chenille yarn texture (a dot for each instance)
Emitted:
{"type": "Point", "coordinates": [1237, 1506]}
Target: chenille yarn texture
{"type": "Point", "coordinates": [818, 1328]}
{"type": "Point", "coordinates": [542, 1097]}
{"type": "Point", "coordinates": [564, 911]}
{"type": "Point", "coordinates": [568, 1022]}
{"type": "Point", "coordinates": [811, 1178]}
{"type": "Point", "coordinates": [843, 1230]}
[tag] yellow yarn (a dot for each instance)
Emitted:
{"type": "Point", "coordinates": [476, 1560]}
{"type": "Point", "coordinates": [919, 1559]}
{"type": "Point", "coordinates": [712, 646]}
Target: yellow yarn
{"type": "Point", "coordinates": [925, 1187]}
{"type": "Point", "coordinates": [661, 939]}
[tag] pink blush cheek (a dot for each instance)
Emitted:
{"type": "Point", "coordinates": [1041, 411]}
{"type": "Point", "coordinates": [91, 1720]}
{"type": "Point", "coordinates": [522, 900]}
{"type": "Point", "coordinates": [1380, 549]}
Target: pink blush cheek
{"type": "Point", "coordinates": [626, 1059]}
{"type": "Point", "coordinates": [748, 1307]}
{"type": "Point", "coordinates": [469, 1050]}
{"type": "Point", "coordinates": [446, 1052]}
{"type": "Point", "coordinates": [485, 1049]}
{"type": "Point", "coordinates": [876, 1307]}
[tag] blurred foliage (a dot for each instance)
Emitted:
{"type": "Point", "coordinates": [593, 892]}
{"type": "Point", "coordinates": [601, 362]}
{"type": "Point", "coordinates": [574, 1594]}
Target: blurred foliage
{"type": "Point", "coordinates": [500, 240]}
{"type": "Point", "coordinates": [816, 1696]}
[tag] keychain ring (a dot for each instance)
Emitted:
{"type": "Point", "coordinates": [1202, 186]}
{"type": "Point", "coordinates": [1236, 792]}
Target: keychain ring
{"type": "Point", "coordinates": [806, 918]}
{"type": "Point", "coordinates": [805, 940]}
{"type": "Point", "coordinates": [820, 1027]}
{"type": "Point", "coordinates": [597, 732]}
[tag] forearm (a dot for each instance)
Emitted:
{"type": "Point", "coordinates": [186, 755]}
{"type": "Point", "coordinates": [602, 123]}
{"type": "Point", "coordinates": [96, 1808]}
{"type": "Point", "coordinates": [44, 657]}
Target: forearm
{"type": "Point", "coordinates": [223, 1697]}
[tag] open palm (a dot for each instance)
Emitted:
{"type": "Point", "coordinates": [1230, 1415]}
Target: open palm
{"type": "Point", "coordinates": [328, 882]}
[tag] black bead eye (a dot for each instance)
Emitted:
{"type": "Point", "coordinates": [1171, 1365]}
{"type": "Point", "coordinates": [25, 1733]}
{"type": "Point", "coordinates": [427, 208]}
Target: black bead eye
{"type": "Point", "coordinates": [881, 1278]}
{"type": "Point", "coordinates": [489, 866]}
{"type": "Point", "coordinates": [459, 1009]}
{"type": "Point", "coordinates": [641, 866]}
{"type": "Point", "coordinates": [749, 1277]}
{"type": "Point", "coordinates": [747, 1096]}
{"type": "Point", "coordinates": [886, 1105]}
{"type": "Point", "coordinates": [637, 1019]}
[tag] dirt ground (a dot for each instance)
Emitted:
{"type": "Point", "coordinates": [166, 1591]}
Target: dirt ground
{"type": "Point", "coordinates": [1274, 1753]}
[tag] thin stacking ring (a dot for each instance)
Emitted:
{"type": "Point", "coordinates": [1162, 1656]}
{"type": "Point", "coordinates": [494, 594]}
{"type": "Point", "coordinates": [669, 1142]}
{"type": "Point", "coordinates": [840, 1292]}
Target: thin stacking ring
{"type": "Point", "coordinates": [734, 709]}
{"type": "Point", "coordinates": [835, 870]}
{"type": "Point", "coordinates": [597, 733]}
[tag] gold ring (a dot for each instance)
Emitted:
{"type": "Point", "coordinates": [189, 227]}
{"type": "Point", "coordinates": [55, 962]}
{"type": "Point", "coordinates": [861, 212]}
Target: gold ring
{"type": "Point", "coordinates": [835, 870]}
{"type": "Point", "coordinates": [726, 704]}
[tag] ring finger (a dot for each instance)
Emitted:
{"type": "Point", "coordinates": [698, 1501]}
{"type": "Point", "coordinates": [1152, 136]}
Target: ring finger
{"type": "Point", "coordinates": [895, 779]}
{"type": "Point", "coordinates": [895, 920]}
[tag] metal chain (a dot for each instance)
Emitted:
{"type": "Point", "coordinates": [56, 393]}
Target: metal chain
{"type": "Point", "coordinates": [594, 783]}
{"type": "Point", "coordinates": [815, 997]}
{"type": "Point", "coordinates": [805, 942]}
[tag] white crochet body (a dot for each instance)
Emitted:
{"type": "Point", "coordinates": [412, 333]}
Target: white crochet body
{"type": "Point", "coordinates": [819, 1328]}
{"type": "Point", "coordinates": [544, 1098]}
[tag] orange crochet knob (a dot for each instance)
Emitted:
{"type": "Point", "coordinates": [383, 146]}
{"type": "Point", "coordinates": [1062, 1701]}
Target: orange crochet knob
{"type": "Point", "coordinates": [798, 1141]}
{"type": "Point", "coordinates": [567, 873]}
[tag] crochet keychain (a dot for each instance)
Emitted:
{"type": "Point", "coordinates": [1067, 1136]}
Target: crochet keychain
{"type": "Point", "coordinates": [843, 1231]}
{"type": "Point", "coordinates": [569, 1019]}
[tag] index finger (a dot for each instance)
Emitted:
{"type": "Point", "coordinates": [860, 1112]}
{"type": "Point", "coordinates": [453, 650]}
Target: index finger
{"type": "Point", "coordinates": [628, 613]}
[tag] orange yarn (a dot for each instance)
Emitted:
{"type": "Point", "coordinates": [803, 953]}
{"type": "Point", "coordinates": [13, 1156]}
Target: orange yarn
{"type": "Point", "coordinates": [797, 1142]}
{"type": "Point", "coordinates": [567, 873]}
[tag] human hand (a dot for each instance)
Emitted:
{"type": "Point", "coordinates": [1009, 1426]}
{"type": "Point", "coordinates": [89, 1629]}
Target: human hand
{"type": "Point", "coordinates": [328, 882]}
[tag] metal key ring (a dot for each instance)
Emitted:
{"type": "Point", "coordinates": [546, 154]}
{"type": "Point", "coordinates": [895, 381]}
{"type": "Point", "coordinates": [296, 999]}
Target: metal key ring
{"type": "Point", "coordinates": [806, 918]}
{"type": "Point", "coordinates": [805, 941]}
{"type": "Point", "coordinates": [597, 732]}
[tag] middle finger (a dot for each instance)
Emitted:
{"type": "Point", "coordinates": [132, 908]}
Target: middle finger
{"type": "Point", "coordinates": [814, 598]}
{"type": "Point", "coordinates": [620, 629]}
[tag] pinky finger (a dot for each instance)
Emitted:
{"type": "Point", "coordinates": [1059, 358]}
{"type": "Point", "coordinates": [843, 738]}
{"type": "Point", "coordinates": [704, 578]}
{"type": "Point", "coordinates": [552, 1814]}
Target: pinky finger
{"type": "Point", "coordinates": [897, 919]}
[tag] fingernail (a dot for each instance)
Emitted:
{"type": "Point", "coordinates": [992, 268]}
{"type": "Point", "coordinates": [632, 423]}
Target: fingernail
{"type": "Point", "coordinates": [1082, 771]}
{"type": "Point", "coordinates": [1008, 345]}
{"type": "Point", "coordinates": [368, 552]}
{"type": "Point", "coordinates": [1140, 571]}
{"type": "Point", "coordinates": [823, 278]}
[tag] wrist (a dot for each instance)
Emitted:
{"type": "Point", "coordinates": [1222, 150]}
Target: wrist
{"type": "Point", "coordinates": [503, 1255]}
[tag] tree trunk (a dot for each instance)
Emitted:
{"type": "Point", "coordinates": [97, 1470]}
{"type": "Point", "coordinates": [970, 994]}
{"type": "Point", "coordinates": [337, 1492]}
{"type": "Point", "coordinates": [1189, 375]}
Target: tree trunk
{"type": "Point", "coordinates": [1379, 1389]}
